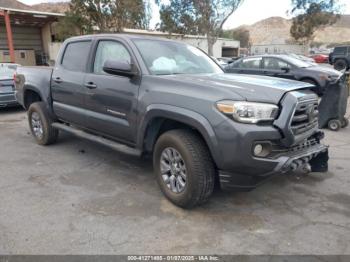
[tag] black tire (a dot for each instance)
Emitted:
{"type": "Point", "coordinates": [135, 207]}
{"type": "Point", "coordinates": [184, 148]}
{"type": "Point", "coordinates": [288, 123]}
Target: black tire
{"type": "Point", "coordinates": [200, 170]}
{"type": "Point", "coordinates": [334, 124]}
{"type": "Point", "coordinates": [340, 64]}
{"type": "Point", "coordinates": [48, 133]}
{"type": "Point", "coordinates": [344, 122]}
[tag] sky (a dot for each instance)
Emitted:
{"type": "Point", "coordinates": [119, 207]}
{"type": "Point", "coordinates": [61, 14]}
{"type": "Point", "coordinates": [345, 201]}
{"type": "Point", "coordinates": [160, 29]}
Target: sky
{"type": "Point", "coordinates": [248, 13]}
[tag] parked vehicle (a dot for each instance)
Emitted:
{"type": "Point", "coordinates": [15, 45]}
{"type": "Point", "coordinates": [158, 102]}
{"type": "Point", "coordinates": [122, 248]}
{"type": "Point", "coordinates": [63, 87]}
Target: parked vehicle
{"type": "Point", "coordinates": [320, 58]}
{"type": "Point", "coordinates": [221, 63]}
{"type": "Point", "coordinates": [7, 85]}
{"type": "Point", "coordinates": [303, 58]}
{"type": "Point", "coordinates": [340, 58]}
{"type": "Point", "coordinates": [200, 124]}
{"type": "Point", "coordinates": [285, 66]}
{"type": "Point", "coordinates": [227, 60]}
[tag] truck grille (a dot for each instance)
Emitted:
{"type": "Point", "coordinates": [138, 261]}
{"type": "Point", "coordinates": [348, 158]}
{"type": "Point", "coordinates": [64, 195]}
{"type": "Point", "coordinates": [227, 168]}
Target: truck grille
{"type": "Point", "coordinates": [305, 117]}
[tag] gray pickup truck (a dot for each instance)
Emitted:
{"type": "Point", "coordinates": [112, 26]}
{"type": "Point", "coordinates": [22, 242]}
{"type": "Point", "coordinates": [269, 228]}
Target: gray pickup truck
{"type": "Point", "coordinates": [151, 96]}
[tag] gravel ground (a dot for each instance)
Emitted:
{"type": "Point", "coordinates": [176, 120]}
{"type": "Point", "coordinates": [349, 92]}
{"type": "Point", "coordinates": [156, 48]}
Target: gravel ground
{"type": "Point", "coordinates": [76, 197]}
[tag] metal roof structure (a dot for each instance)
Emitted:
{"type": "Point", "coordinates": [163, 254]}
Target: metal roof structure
{"type": "Point", "coordinates": [29, 17]}
{"type": "Point", "coordinates": [18, 17]}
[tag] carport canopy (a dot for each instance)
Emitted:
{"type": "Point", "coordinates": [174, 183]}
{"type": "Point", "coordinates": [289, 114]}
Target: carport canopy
{"type": "Point", "coordinates": [9, 16]}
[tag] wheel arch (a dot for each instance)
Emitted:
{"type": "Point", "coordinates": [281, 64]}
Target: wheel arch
{"type": "Point", "coordinates": [31, 95]}
{"type": "Point", "coordinates": [161, 118]}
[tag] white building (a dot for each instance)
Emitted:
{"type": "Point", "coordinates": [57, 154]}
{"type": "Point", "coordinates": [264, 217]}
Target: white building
{"type": "Point", "coordinates": [260, 49]}
{"type": "Point", "coordinates": [222, 48]}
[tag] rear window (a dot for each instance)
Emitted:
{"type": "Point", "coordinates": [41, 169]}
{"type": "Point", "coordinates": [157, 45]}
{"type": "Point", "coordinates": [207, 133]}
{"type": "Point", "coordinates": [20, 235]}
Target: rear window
{"type": "Point", "coordinates": [340, 50]}
{"type": "Point", "coordinates": [76, 55]}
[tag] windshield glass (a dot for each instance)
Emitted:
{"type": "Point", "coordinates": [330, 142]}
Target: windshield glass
{"type": "Point", "coordinates": [7, 70]}
{"type": "Point", "coordinates": [297, 62]}
{"type": "Point", "coordinates": [167, 58]}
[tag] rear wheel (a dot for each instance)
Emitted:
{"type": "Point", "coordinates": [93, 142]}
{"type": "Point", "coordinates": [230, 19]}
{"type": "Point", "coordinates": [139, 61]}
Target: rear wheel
{"type": "Point", "coordinates": [40, 124]}
{"type": "Point", "coordinates": [184, 168]}
{"type": "Point", "coordinates": [340, 64]}
{"type": "Point", "coordinates": [334, 124]}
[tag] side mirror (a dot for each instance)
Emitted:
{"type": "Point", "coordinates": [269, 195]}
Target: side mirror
{"type": "Point", "coordinates": [285, 69]}
{"type": "Point", "coordinates": [115, 67]}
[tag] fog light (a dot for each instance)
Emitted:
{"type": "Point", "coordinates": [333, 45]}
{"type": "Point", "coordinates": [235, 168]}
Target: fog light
{"type": "Point", "coordinates": [262, 149]}
{"type": "Point", "coordinates": [258, 148]}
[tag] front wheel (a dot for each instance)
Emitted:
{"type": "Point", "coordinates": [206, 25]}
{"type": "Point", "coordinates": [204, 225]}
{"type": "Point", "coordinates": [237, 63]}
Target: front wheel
{"type": "Point", "coordinates": [40, 124]}
{"type": "Point", "coordinates": [184, 168]}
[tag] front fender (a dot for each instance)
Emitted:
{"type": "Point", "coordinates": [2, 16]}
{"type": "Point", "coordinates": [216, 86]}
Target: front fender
{"type": "Point", "coordinates": [185, 116]}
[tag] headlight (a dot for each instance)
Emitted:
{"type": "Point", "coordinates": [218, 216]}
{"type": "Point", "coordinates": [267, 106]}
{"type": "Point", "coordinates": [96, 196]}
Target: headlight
{"type": "Point", "coordinates": [248, 112]}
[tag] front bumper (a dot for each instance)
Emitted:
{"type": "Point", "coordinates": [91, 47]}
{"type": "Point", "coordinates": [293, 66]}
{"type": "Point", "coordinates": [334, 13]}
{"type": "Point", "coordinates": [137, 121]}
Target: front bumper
{"type": "Point", "coordinates": [315, 156]}
{"type": "Point", "coordinates": [291, 149]}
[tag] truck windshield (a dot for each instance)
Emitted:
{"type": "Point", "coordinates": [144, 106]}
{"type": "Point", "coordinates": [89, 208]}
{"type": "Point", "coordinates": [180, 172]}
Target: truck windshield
{"type": "Point", "coordinates": [169, 58]}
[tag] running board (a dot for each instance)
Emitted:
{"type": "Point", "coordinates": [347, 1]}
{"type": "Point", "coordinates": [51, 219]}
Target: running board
{"type": "Point", "coordinates": [101, 140]}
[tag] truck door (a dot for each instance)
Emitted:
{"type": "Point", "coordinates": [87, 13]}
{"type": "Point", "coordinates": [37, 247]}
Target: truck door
{"type": "Point", "coordinates": [67, 83]}
{"type": "Point", "coordinates": [111, 99]}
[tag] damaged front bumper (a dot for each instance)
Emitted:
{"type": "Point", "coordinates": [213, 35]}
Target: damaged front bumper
{"type": "Point", "coordinates": [310, 156]}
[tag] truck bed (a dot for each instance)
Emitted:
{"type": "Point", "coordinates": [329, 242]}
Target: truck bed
{"type": "Point", "coordinates": [35, 78]}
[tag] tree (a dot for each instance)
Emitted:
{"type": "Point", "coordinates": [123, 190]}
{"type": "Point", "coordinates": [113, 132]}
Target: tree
{"type": "Point", "coordinates": [104, 16]}
{"type": "Point", "coordinates": [312, 15]}
{"type": "Point", "coordinates": [197, 17]}
{"type": "Point", "coordinates": [71, 25]}
{"type": "Point", "coordinates": [240, 34]}
{"type": "Point", "coordinates": [178, 17]}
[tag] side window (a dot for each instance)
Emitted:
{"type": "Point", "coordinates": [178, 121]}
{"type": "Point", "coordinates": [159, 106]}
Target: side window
{"type": "Point", "coordinates": [274, 63]}
{"type": "Point", "coordinates": [76, 55]}
{"type": "Point", "coordinates": [110, 50]}
{"type": "Point", "coordinates": [253, 63]}
{"type": "Point", "coordinates": [340, 50]}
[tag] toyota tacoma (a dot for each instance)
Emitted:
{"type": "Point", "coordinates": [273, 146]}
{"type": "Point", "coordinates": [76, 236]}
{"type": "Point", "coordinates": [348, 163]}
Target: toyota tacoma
{"type": "Point", "coordinates": [170, 100]}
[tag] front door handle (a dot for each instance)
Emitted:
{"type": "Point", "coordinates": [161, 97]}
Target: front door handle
{"type": "Point", "coordinates": [90, 85]}
{"type": "Point", "coordinates": [58, 80]}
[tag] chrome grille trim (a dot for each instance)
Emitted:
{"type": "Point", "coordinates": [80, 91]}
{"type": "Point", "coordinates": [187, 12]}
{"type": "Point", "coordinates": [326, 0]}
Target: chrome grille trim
{"type": "Point", "coordinates": [305, 116]}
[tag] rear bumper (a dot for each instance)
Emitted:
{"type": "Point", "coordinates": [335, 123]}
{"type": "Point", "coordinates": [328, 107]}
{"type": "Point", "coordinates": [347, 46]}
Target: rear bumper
{"type": "Point", "coordinates": [8, 99]}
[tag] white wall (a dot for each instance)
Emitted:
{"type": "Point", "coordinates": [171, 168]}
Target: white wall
{"type": "Point", "coordinates": [278, 49]}
{"type": "Point", "coordinates": [53, 49]}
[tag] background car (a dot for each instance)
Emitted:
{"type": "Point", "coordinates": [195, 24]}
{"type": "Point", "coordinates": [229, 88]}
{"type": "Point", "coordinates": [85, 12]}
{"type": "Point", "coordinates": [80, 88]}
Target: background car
{"type": "Point", "coordinates": [303, 58]}
{"type": "Point", "coordinates": [219, 61]}
{"type": "Point", "coordinates": [320, 58]}
{"type": "Point", "coordinates": [340, 57]}
{"type": "Point", "coordinates": [7, 87]}
{"type": "Point", "coordinates": [285, 66]}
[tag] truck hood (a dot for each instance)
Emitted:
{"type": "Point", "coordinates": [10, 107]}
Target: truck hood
{"type": "Point", "coordinates": [250, 87]}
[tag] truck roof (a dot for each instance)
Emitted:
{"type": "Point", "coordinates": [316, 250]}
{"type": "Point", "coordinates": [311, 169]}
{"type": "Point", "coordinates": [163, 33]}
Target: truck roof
{"type": "Point", "coordinates": [121, 35]}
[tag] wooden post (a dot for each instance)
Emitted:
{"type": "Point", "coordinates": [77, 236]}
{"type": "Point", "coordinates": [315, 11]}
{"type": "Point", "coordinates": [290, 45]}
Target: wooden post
{"type": "Point", "coordinates": [9, 35]}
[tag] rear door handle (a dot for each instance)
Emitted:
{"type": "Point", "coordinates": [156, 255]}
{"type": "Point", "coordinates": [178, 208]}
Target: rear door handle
{"type": "Point", "coordinates": [58, 80]}
{"type": "Point", "coordinates": [90, 85]}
